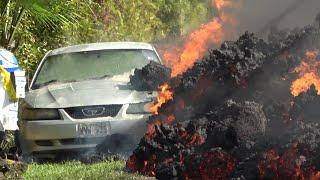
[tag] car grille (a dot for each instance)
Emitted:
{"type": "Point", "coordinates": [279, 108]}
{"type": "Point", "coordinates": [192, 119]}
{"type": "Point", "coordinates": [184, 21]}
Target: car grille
{"type": "Point", "coordinates": [74, 141]}
{"type": "Point", "coordinates": [86, 112]}
{"type": "Point", "coordinates": [79, 141]}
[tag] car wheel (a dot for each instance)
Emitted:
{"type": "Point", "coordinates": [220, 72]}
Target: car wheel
{"type": "Point", "coordinates": [23, 156]}
{"type": "Point", "coordinates": [17, 142]}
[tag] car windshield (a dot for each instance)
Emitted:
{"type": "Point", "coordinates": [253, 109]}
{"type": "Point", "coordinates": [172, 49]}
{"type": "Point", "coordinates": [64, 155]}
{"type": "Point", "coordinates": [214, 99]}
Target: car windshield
{"type": "Point", "coordinates": [86, 65]}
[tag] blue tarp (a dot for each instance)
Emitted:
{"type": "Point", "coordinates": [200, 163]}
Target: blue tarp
{"type": "Point", "coordinates": [8, 60]}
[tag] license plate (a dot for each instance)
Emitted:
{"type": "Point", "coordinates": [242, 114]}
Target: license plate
{"type": "Point", "coordinates": [94, 129]}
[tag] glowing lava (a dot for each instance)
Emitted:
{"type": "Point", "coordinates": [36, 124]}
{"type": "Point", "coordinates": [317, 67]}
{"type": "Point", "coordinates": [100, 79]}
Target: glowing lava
{"type": "Point", "coordinates": [308, 74]}
{"type": "Point", "coordinates": [195, 46]}
{"type": "Point", "coordinates": [151, 126]}
{"type": "Point", "coordinates": [146, 167]}
{"type": "Point", "coordinates": [289, 165]}
{"type": "Point", "coordinates": [215, 165]}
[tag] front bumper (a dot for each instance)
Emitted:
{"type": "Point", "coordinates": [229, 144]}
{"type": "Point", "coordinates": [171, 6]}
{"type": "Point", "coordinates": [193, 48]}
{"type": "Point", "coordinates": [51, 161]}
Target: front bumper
{"type": "Point", "coordinates": [57, 135]}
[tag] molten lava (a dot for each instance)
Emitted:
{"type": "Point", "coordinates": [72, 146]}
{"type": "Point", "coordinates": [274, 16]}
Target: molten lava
{"type": "Point", "coordinates": [164, 95]}
{"type": "Point", "coordinates": [195, 46]}
{"type": "Point", "coordinates": [151, 126]}
{"type": "Point", "coordinates": [289, 165]}
{"type": "Point", "coordinates": [190, 139]}
{"type": "Point", "coordinates": [214, 165]}
{"type": "Point", "coordinates": [308, 74]}
{"type": "Point", "coordinates": [145, 167]}
{"type": "Point", "coordinates": [217, 137]}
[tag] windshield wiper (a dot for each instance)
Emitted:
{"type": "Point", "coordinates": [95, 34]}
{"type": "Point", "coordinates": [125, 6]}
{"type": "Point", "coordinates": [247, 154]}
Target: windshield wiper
{"type": "Point", "coordinates": [101, 77]}
{"type": "Point", "coordinates": [44, 84]}
{"type": "Point", "coordinates": [37, 86]}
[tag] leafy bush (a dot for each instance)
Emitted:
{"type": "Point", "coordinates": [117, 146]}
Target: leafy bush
{"type": "Point", "coordinates": [86, 21]}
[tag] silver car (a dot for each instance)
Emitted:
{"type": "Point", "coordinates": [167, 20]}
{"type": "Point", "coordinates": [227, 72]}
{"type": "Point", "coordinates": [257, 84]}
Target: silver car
{"type": "Point", "coordinates": [81, 94]}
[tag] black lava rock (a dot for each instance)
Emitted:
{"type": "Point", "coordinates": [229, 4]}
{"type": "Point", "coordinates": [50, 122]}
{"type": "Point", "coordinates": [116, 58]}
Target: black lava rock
{"type": "Point", "coordinates": [150, 77]}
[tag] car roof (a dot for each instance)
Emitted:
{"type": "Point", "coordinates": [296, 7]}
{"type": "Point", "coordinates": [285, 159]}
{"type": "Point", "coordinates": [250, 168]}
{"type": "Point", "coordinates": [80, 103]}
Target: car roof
{"type": "Point", "coordinates": [101, 46]}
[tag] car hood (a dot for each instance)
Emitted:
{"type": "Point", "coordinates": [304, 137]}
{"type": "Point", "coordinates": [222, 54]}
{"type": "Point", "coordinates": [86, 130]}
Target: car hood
{"type": "Point", "coordinates": [86, 93]}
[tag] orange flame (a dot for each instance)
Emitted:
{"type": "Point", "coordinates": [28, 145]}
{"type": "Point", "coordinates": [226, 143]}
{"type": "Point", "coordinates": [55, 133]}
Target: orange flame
{"type": "Point", "coordinates": [219, 4]}
{"type": "Point", "coordinates": [165, 94]}
{"type": "Point", "coordinates": [195, 47]}
{"type": "Point", "coordinates": [308, 74]}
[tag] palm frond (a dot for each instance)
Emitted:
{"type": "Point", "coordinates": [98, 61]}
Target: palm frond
{"type": "Point", "coordinates": [41, 11]}
{"type": "Point", "coordinates": [50, 18]}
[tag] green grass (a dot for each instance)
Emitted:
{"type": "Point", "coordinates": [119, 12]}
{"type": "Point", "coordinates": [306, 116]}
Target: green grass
{"type": "Point", "coordinates": [78, 171]}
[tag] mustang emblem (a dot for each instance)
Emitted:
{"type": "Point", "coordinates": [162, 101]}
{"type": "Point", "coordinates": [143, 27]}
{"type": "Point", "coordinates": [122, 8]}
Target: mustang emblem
{"type": "Point", "coordinates": [94, 111]}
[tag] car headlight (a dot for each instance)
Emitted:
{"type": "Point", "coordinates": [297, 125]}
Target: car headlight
{"type": "Point", "coordinates": [40, 114]}
{"type": "Point", "coordinates": [33, 114]}
{"type": "Point", "coordinates": [139, 108]}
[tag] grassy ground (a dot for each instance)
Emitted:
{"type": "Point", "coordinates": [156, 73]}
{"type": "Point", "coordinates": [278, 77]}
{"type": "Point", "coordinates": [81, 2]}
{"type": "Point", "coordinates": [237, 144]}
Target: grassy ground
{"type": "Point", "coordinates": [79, 171]}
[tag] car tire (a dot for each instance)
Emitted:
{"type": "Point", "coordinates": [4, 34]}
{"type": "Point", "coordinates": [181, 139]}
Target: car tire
{"type": "Point", "coordinates": [25, 157]}
{"type": "Point", "coordinates": [17, 142]}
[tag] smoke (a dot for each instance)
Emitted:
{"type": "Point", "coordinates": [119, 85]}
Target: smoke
{"type": "Point", "coordinates": [257, 15]}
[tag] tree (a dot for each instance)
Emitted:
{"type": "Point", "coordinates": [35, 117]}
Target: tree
{"type": "Point", "coordinates": [122, 20]}
{"type": "Point", "coordinates": [182, 16]}
{"type": "Point", "coordinates": [13, 12]}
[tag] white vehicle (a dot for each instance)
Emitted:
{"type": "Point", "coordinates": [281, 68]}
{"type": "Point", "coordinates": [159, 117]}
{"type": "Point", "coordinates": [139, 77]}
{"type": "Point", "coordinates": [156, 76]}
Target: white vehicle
{"type": "Point", "coordinates": [81, 94]}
